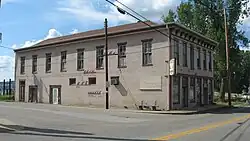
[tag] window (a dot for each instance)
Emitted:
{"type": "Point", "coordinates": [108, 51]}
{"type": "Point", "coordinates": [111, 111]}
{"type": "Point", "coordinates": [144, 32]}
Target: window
{"type": "Point", "coordinates": [34, 64]}
{"type": "Point", "coordinates": [199, 58]}
{"type": "Point", "coordinates": [191, 57]}
{"type": "Point", "coordinates": [176, 51]}
{"type": "Point", "coordinates": [72, 81]}
{"type": "Point", "coordinates": [92, 80]}
{"type": "Point", "coordinates": [192, 90]}
{"type": "Point", "coordinates": [99, 57]}
{"type": "Point", "coordinates": [147, 52]}
{"type": "Point", "coordinates": [176, 90]}
{"type": "Point", "coordinates": [185, 64]}
{"type": "Point", "coordinates": [122, 55]}
{"type": "Point", "coordinates": [205, 60]}
{"type": "Point", "coordinates": [63, 61]}
{"type": "Point", "coordinates": [80, 59]}
{"type": "Point", "coordinates": [210, 61]}
{"type": "Point", "coordinates": [48, 63]}
{"type": "Point", "coordinates": [22, 69]}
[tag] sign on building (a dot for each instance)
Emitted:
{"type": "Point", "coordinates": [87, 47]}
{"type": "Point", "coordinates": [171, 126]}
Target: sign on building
{"type": "Point", "coordinates": [172, 66]}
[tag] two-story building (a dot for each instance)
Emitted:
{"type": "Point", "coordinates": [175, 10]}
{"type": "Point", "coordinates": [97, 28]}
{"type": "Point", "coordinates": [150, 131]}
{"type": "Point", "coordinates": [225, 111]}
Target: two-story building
{"type": "Point", "coordinates": [146, 68]}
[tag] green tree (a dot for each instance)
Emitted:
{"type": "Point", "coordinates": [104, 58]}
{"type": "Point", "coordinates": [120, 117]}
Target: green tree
{"type": "Point", "coordinates": [206, 17]}
{"type": "Point", "coordinates": [171, 17]}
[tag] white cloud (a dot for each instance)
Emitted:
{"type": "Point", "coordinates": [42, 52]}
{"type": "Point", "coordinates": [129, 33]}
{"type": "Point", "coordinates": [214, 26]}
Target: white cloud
{"type": "Point", "coordinates": [7, 62]}
{"type": "Point", "coordinates": [96, 10]}
{"type": "Point", "coordinates": [6, 67]}
{"type": "Point", "coordinates": [9, 1]}
{"type": "Point", "coordinates": [51, 34]}
{"type": "Point", "coordinates": [74, 31]}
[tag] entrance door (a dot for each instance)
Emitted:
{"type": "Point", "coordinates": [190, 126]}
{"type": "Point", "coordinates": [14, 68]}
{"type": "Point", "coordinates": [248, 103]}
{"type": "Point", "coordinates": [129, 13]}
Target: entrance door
{"type": "Point", "coordinates": [205, 92]}
{"type": "Point", "coordinates": [185, 91]}
{"type": "Point", "coordinates": [22, 91]}
{"type": "Point", "coordinates": [55, 94]}
{"type": "Point", "coordinates": [33, 91]}
{"type": "Point", "coordinates": [185, 96]}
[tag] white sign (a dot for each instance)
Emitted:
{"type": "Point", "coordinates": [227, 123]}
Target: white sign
{"type": "Point", "coordinates": [151, 83]}
{"type": "Point", "coordinates": [172, 67]}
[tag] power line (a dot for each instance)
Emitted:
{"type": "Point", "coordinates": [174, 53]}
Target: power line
{"type": "Point", "coordinates": [132, 10]}
{"type": "Point", "coordinates": [6, 47]}
{"type": "Point", "coordinates": [126, 12]}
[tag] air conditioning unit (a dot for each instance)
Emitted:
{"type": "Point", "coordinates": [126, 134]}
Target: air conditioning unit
{"type": "Point", "coordinates": [115, 80]}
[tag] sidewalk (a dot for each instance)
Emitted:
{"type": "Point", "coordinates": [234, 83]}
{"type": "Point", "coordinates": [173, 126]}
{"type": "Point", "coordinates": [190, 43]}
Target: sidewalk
{"type": "Point", "coordinates": [198, 110]}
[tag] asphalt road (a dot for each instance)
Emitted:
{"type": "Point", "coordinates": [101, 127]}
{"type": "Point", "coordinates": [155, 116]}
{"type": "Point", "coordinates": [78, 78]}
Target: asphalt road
{"type": "Point", "coordinates": [38, 122]}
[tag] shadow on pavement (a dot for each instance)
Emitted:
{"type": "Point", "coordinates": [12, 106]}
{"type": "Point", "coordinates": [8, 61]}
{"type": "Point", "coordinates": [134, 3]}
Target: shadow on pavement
{"type": "Point", "coordinates": [227, 110]}
{"type": "Point", "coordinates": [41, 130]}
{"type": "Point", "coordinates": [31, 131]}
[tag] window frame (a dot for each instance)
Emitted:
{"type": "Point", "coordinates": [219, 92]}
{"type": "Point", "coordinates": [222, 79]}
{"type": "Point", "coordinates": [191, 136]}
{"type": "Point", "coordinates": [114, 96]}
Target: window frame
{"type": "Point", "coordinates": [185, 56]}
{"type": "Point", "coordinates": [34, 64]}
{"type": "Point", "coordinates": [99, 57]}
{"type": "Point", "coordinates": [177, 50]}
{"type": "Point", "coordinates": [22, 64]}
{"type": "Point", "coordinates": [147, 46]}
{"type": "Point", "coordinates": [48, 62]}
{"type": "Point", "coordinates": [191, 57]}
{"type": "Point", "coordinates": [210, 61]}
{"type": "Point", "coordinates": [204, 59]}
{"type": "Point", "coordinates": [95, 80]}
{"type": "Point", "coordinates": [80, 59]}
{"type": "Point", "coordinates": [122, 48]}
{"type": "Point", "coordinates": [63, 61]}
{"type": "Point", "coordinates": [199, 58]}
{"type": "Point", "coordinates": [72, 79]}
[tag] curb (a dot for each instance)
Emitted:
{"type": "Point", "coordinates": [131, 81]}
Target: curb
{"type": "Point", "coordinates": [186, 113]}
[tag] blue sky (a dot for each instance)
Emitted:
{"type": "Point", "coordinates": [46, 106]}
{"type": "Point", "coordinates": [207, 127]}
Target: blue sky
{"type": "Point", "coordinates": [26, 22]}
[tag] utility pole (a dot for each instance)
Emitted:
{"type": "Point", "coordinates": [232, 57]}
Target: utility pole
{"type": "Point", "coordinates": [227, 59]}
{"type": "Point", "coordinates": [106, 63]}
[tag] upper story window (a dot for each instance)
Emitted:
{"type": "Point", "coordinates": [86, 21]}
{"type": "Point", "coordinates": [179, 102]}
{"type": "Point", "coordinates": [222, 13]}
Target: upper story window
{"type": "Point", "coordinates": [22, 63]}
{"type": "Point", "coordinates": [100, 57]}
{"type": "Point", "coordinates": [34, 64]}
{"type": "Point", "coordinates": [80, 59]}
{"type": "Point", "coordinates": [147, 52]}
{"type": "Point", "coordinates": [191, 57]}
{"type": "Point", "coordinates": [122, 55]}
{"type": "Point", "coordinates": [210, 61]}
{"type": "Point", "coordinates": [185, 63]}
{"type": "Point", "coordinates": [205, 59]}
{"type": "Point", "coordinates": [199, 58]}
{"type": "Point", "coordinates": [63, 61]}
{"type": "Point", "coordinates": [176, 51]}
{"type": "Point", "coordinates": [48, 63]}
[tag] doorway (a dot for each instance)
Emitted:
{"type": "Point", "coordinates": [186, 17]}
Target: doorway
{"type": "Point", "coordinates": [185, 91]}
{"type": "Point", "coordinates": [33, 94]}
{"type": "Point", "coordinates": [22, 91]}
{"type": "Point", "coordinates": [205, 92]}
{"type": "Point", "coordinates": [55, 94]}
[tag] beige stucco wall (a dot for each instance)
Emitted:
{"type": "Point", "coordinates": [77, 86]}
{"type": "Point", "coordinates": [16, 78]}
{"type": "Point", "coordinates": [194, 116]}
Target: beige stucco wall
{"type": "Point", "coordinates": [126, 94]}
